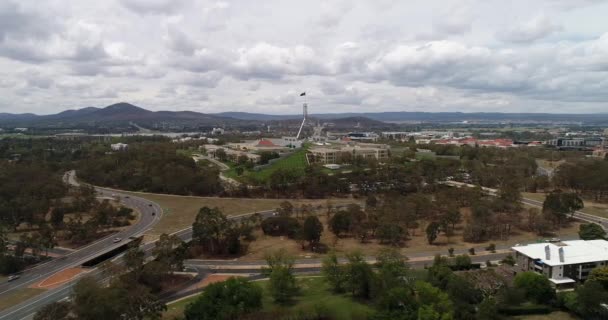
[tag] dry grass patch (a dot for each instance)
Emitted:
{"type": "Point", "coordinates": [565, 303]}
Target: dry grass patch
{"type": "Point", "coordinates": [417, 244]}
{"type": "Point", "coordinates": [18, 296]}
{"type": "Point", "coordinates": [593, 208]}
{"type": "Point", "coordinates": [179, 212]}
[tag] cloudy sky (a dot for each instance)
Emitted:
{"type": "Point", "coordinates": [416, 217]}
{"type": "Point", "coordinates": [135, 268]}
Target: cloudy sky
{"type": "Point", "coordinates": [257, 56]}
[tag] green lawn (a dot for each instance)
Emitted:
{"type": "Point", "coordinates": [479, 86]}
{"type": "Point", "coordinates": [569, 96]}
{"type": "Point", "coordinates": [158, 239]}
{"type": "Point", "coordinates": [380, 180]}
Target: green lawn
{"type": "Point", "coordinates": [313, 292]}
{"type": "Point", "coordinates": [295, 163]}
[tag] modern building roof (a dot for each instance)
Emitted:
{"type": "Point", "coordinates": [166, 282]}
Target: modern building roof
{"type": "Point", "coordinates": [572, 252]}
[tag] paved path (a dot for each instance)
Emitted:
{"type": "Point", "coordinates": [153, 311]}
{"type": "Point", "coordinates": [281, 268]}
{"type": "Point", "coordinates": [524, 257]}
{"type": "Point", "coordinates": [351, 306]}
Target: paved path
{"type": "Point", "coordinates": [222, 166]}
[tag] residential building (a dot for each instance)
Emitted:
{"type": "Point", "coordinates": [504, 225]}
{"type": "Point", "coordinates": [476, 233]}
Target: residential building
{"type": "Point", "coordinates": [119, 146]}
{"type": "Point", "coordinates": [564, 262]}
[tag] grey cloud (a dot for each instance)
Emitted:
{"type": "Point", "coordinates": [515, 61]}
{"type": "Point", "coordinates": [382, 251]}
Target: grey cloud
{"type": "Point", "coordinates": [206, 80]}
{"type": "Point", "coordinates": [19, 24]}
{"type": "Point", "coordinates": [152, 6]}
{"type": "Point", "coordinates": [537, 28]}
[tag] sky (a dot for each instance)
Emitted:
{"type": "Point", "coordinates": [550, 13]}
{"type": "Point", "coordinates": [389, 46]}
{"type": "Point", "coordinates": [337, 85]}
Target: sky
{"type": "Point", "coordinates": [348, 56]}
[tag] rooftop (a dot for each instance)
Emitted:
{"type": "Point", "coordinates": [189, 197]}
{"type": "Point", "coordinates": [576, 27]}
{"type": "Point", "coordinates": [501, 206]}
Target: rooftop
{"type": "Point", "coordinates": [574, 252]}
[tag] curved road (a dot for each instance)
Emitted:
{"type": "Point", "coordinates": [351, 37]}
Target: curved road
{"type": "Point", "coordinates": [150, 213]}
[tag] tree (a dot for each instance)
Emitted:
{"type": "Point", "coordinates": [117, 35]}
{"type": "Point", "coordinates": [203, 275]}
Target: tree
{"type": "Point", "coordinates": [536, 287]}
{"type": "Point", "coordinates": [590, 300]}
{"type": "Point", "coordinates": [282, 283]}
{"type": "Point", "coordinates": [434, 304]}
{"type": "Point", "coordinates": [285, 209]}
{"type": "Point", "coordinates": [134, 259]}
{"type": "Point", "coordinates": [215, 233]}
{"type": "Point", "coordinates": [488, 310]}
{"type": "Point", "coordinates": [600, 275]}
{"type": "Point", "coordinates": [462, 262]}
{"type": "Point", "coordinates": [464, 296]}
{"type": "Point", "coordinates": [227, 300]}
{"type": "Point", "coordinates": [591, 231]}
{"type": "Point", "coordinates": [509, 260]}
{"type": "Point", "coordinates": [562, 205]}
{"type": "Point", "coordinates": [432, 230]}
{"type": "Point", "coordinates": [221, 154]}
{"type": "Point", "coordinates": [390, 233]}
{"type": "Point", "coordinates": [333, 272]}
{"type": "Point", "coordinates": [392, 271]}
{"type": "Point", "coordinates": [340, 223]}
{"type": "Point", "coordinates": [311, 231]}
{"type": "Point", "coordinates": [59, 310]}
{"type": "Point", "coordinates": [170, 251]}
{"type": "Point", "coordinates": [358, 275]}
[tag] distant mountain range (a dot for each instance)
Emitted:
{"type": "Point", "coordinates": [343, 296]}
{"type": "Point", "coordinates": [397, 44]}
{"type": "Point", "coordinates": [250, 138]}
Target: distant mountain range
{"type": "Point", "coordinates": [123, 113]}
{"type": "Point", "coordinates": [404, 116]}
{"type": "Point", "coordinates": [116, 113]}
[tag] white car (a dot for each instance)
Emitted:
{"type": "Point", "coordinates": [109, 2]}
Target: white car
{"type": "Point", "coordinates": [116, 240]}
{"type": "Point", "coordinates": [13, 277]}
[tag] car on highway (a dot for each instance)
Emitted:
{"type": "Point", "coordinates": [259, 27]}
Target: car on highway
{"type": "Point", "coordinates": [116, 240]}
{"type": "Point", "coordinates": [153, 213]}
{"type": "Point", "coordinates": [149, 204]}
{"type": "Point", "coordinates": [13, 277]}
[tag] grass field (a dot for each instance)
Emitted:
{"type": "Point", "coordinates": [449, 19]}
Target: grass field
{"type": "Point", "coordinates": [179, 212]}
{"type": "Point", "coordinates": [594, 208]}
{"type": "Point", "coordinates": [18, 296]}
{"type": "Point", "coordinates": [313, 292]}
{"type": "Point", "coordinates": [295, 163]}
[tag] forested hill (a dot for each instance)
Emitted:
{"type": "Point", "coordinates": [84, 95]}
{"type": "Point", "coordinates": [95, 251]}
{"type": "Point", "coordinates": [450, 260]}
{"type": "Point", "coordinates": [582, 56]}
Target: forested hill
{"type": "Point", "coordinates": [150, 167]}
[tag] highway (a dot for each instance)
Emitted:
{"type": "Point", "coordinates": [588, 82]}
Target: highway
{"type": "Point", "coordinates": [40, 272]}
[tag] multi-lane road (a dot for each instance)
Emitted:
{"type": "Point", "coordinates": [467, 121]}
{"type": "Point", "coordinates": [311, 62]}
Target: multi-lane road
{"type": "Point", "coordinates": [150, 213]}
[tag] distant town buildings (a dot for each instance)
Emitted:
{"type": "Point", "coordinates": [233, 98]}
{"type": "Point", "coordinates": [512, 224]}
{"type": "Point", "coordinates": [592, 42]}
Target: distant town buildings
{"type": "Point", "coordinates": [217, 131]}
{"type": "Point", "coordinates": [564, 262]}
{"type": "Point", "coordinates": [500, 143]}
{"type": "Point", "coordinates": [231, 154]}
{"type": "Point", "coordinates": [268, 144]}
{"type": "Point", "coordinates": [575, 143]}
{"type": "Point", "coordinates": [341, 153]}
{"type": "Point", "coordinates": [119, 146]}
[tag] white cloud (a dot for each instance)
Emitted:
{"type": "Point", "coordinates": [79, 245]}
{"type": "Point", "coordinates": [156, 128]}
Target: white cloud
{"type": "Point", "coordinates": [210, 55]}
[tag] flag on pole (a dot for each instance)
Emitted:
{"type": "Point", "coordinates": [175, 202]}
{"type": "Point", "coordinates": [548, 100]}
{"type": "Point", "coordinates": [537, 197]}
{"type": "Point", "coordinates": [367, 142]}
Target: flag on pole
{"type": "Point", "coordinates": [302, 94]}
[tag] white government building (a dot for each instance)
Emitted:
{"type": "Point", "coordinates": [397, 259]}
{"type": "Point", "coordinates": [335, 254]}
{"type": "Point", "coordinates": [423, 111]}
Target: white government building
{"type": "Point", "coordinates": [565, 262]}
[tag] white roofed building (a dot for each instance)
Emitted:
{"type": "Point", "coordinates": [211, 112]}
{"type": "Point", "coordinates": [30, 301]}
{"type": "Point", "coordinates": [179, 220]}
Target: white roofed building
{"type": "Point", "coordinates": [563, 262]}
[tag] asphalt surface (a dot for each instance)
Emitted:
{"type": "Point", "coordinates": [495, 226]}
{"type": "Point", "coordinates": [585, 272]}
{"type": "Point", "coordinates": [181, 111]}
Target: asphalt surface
{"type": "Point", "coordinates": [76, 258]}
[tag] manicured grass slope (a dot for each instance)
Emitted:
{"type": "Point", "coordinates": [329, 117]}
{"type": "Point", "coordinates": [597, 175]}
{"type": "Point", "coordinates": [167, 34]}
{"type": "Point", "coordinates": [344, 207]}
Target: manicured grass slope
{"type": "Point", "coordinates": [313, 292]}
{"type": "Point", "coordinates": [296, 163]}
{"type": "Point", "coordinates": [316, 292]}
